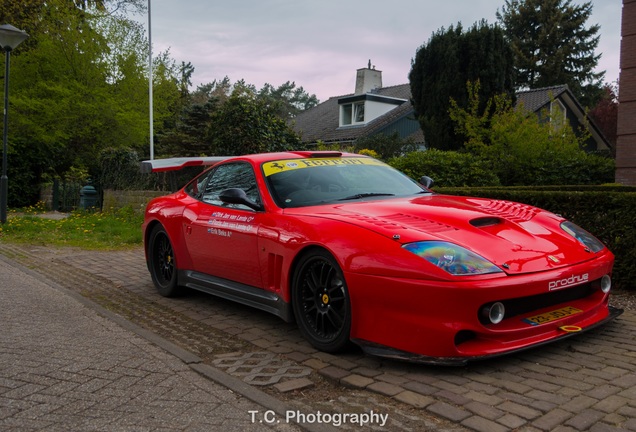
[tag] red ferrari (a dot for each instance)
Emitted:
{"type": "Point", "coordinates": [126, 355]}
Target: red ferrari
{"type": "Point", "coordinates": [355, 251]}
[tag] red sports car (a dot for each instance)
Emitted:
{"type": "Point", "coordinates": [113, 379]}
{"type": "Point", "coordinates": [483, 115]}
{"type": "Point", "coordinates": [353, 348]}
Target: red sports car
{"type": "Point", "coordinates": [354, 250]}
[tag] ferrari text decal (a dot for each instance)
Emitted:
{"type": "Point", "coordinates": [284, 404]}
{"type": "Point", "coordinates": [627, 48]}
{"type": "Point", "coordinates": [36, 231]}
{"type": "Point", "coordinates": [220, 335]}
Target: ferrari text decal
{"type": "Point", "coordinates": [270, 168]}
{"type": "Point", "coordinates": [224, 223]}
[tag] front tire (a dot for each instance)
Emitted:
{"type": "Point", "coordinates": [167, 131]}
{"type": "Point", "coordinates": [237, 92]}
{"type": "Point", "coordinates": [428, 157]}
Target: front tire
{"type": "Point", "coordinates": [320, 300]}
{"type": "Point", "coordinates": [162, 263]}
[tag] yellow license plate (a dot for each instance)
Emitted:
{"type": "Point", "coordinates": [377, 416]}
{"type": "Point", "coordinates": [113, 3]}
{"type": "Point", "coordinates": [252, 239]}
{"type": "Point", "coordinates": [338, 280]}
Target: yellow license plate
{"type": "Point", "coordinates": [552, 315]}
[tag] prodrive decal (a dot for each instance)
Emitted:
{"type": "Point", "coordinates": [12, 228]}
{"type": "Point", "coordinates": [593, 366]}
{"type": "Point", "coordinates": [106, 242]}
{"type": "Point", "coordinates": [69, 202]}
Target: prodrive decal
{"type": "Point", "coordinates": [568, 282]}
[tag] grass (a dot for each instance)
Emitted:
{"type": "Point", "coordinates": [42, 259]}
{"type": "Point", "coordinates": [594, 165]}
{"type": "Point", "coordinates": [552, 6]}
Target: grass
{"type": "Point", "coordinates": [106, 230]}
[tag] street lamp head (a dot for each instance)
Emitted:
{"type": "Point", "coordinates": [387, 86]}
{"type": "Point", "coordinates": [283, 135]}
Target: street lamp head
{"type": "Point", "coordinates": [11, 37]}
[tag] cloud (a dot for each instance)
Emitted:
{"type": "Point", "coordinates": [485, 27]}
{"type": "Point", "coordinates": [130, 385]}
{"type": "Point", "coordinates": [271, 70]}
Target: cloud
{"type": "Point", "coordinates": [319, 45]}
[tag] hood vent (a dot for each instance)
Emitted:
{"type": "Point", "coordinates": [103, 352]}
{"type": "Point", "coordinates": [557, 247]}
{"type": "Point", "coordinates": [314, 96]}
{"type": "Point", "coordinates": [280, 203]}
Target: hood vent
{"type": "Point", "coordinates": [509, 210]}
{"type": "Point", "coordinates": [485, 222]}
{"type": "Point", "coordinates": [420, 223]}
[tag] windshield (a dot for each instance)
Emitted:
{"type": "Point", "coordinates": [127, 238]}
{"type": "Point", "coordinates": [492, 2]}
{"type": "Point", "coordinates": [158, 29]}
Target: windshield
{"type": "Point", "coordinates": [306, 182]}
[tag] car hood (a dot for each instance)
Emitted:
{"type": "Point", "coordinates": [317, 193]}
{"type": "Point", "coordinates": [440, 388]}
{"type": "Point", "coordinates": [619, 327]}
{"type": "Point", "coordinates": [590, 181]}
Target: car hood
{"type": "Point", "coordinates": [516, 237]}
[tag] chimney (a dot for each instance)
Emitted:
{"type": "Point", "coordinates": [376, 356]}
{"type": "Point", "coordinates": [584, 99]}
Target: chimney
{"type": "Point", "coordinates": [368, 79]}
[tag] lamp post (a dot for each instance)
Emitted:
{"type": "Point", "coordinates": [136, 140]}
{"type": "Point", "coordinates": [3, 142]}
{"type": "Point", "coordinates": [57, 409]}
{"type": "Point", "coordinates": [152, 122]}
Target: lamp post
{"type": "Point", "coordinates": [10, 38]}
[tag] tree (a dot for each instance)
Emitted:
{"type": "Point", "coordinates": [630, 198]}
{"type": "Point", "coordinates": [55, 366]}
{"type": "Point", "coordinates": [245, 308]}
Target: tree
{"type": "Point", "coordinates": [247, 124]}
{"type": "Point", "coordinates": [80, 87]}
{"type": "Point", "coordinates": [605, 114]}
{"type": "Point", "coordinates": [287, 99]}
{"type": "Point", "coordinates": [552, 45]}
{"type": "Point", "coordinates": [441, 69]}
{"type": "Point", "coordinates": [523, 150]}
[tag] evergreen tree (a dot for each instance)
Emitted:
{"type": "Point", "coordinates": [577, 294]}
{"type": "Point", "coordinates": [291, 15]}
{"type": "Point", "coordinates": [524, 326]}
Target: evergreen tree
{"type": "Point", "coordinates": [444, 65]}
{"type": "Point", "coordinates": [247, 124]}
{"type": "Point", "coordinates": [552, 45]}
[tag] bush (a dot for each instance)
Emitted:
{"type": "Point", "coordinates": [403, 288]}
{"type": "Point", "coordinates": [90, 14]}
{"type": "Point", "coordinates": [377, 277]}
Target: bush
{"type": "Point", "coordinates": [447, 168]}
{"type": "Point", "coordinates": [386, 146]}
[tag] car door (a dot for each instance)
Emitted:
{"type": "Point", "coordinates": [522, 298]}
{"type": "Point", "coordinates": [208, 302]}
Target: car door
{"type": "Point", "coordinates": [222, 238]}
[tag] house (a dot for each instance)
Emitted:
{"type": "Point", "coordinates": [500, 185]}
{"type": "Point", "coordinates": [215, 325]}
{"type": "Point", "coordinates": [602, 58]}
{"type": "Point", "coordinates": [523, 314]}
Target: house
{"type": "Point", "coordinates": [374, 109]}
{"type": "Point", "coordinates": [371, 110]}
{"type": "Point", "coordinates": [561, 106]}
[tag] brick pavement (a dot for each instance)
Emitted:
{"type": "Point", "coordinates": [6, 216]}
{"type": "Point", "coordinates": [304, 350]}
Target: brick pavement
{"type": "Point", "coordinates": [587, 382]}
{"type": "Point", "coordinates": [63, 367]}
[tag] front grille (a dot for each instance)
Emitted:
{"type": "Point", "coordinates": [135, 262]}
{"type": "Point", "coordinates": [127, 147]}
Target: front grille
{"type": "Point", "coordinates": [523, 305]}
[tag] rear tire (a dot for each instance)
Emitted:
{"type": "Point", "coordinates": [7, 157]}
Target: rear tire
{"type": "Point", "coordinates": [162, 263]}
{"type": "Point", "coordinates": [320, 300]}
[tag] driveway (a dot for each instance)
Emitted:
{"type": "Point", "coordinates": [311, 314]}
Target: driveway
{"type": "Point", "coordinates": [587, 382]}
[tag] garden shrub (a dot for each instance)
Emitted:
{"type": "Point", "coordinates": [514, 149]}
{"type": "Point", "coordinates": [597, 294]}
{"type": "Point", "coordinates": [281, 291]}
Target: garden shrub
{"type": "Point", "coordinates": [446, 168]}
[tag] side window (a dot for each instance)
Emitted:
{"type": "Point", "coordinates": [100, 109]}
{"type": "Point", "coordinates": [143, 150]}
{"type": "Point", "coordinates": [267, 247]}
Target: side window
{"type": "Point", "coordinates": [195, 188]}
{"type": "Point", "coordinates": [233, 175]}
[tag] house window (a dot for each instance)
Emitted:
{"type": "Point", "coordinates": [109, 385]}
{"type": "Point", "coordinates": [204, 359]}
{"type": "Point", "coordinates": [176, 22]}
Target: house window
{"type": "Point", "coordinates": [352, 113]}
{"type": "Point", "coordinates": [558, 115]}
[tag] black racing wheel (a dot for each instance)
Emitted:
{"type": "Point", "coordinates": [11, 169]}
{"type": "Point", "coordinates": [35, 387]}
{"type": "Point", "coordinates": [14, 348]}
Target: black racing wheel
{"type": "Point", "coordinates": [321, 302]}
{"type": "Point", "coordinates": [161, 262]}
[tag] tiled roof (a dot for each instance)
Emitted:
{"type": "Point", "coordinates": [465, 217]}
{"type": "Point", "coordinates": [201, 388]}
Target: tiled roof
{"type": "Point", "coordinates": [322, 121]}
{"type": "Point", "coordinates": [535, 99]}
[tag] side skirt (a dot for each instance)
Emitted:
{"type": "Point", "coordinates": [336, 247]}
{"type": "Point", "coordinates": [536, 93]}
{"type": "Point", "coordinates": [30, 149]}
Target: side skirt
{"type": "Point", "coordinates": [237, 292]}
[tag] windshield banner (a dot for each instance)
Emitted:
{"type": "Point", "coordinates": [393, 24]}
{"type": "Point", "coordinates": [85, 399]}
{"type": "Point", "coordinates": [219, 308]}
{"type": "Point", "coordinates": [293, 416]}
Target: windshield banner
{"type": "Point", "coordinates": [275, 167]}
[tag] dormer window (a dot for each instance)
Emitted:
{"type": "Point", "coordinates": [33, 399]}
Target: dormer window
{"type": "Point", "coordinates": [352, 113]}
{"type": "Point", "coordinates": [359, 110]}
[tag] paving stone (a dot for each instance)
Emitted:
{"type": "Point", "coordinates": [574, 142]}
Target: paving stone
{"type": "Point", "coordinates": [295, 384]}
{"type": "Point", "coordinates": [579, 403]}
{"type": "Point", "coordinates": [448, 411]}
{"type": "Point", "coordinates": [584, 419]}
{"type": "Point", "coordinates": [611, 404]}
{"type": "Point", "coordinates": [333, 373]}
{"type": "Point", "coordinates": [367, 372]}
{"type": "Point", "coordinates": [552, 419]}
{"type": "Point", "coordinates": [415, 399]}
{"type": "Point", "coordinates": [512, 422]}
{"type": "Point", "coordinates": [356, 381]}
{"type": "Point", "coordinates": [315, 364]}
{"type": "Point", "coordinates": [453, 398]}
{"type": "Point", "coordinates": [420, 388]}
{"type": "Point", "coordinates": [385, 388]}
{"type": "Point", "coordinates": [484, 410]}
{"type": "Point", "coordinates": [390, 378]}
{"type": "Point", "coordinates": [523, 411]}
{"type": "Point", "coordinates": [481, 424]}
{"type": "Point", "coordinates": [343, 364]}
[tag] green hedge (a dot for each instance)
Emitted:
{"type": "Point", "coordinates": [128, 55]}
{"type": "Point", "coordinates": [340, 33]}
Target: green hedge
{"type": "Point", "coordinates": [609, 212]}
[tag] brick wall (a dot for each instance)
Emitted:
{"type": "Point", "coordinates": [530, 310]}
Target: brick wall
{"type": "Point", "coordinates": [626, 142]}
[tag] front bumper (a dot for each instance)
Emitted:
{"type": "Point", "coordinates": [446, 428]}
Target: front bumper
{"type": "Point", "coordinates": [388, 352]}
{"type": "Point", "coordinates": [441, 321]}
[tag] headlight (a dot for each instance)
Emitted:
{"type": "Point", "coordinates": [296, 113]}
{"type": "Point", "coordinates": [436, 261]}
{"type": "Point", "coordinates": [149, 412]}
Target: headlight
{"type": "Point", "coordinates": [584, 237]}
{"type": "Point", "coordinates": [454, 259]}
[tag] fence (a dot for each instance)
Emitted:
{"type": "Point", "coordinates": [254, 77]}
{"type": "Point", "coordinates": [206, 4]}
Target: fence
{"type": "Point", "coordinates": [61, 195]}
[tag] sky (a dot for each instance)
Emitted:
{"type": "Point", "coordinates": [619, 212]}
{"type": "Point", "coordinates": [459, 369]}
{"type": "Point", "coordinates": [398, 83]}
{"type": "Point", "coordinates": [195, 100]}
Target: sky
{"type": "Point", "coordinates": [319, 44]}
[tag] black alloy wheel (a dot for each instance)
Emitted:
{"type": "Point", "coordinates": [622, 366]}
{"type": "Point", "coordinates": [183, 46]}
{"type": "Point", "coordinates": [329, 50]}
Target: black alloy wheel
{"type": "Point", "coordinates": [321, 302]}
{"type": "Point", "coordinates": [162, 265]}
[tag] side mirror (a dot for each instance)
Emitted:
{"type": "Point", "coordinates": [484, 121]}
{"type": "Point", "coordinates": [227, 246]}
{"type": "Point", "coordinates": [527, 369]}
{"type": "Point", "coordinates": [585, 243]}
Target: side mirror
{"type": "Point", "coordinates": [427, 182]}
{"type": "Point", "coordinates": [238, 196]}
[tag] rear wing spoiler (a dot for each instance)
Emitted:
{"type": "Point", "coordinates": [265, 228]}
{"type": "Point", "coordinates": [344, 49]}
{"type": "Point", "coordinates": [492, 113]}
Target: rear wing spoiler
{"type": "Point", "coordinates": [174, 164]}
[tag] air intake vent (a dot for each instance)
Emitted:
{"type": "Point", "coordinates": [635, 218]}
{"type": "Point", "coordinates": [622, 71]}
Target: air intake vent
{"type": "Point", "coordinates": [485, 221]}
